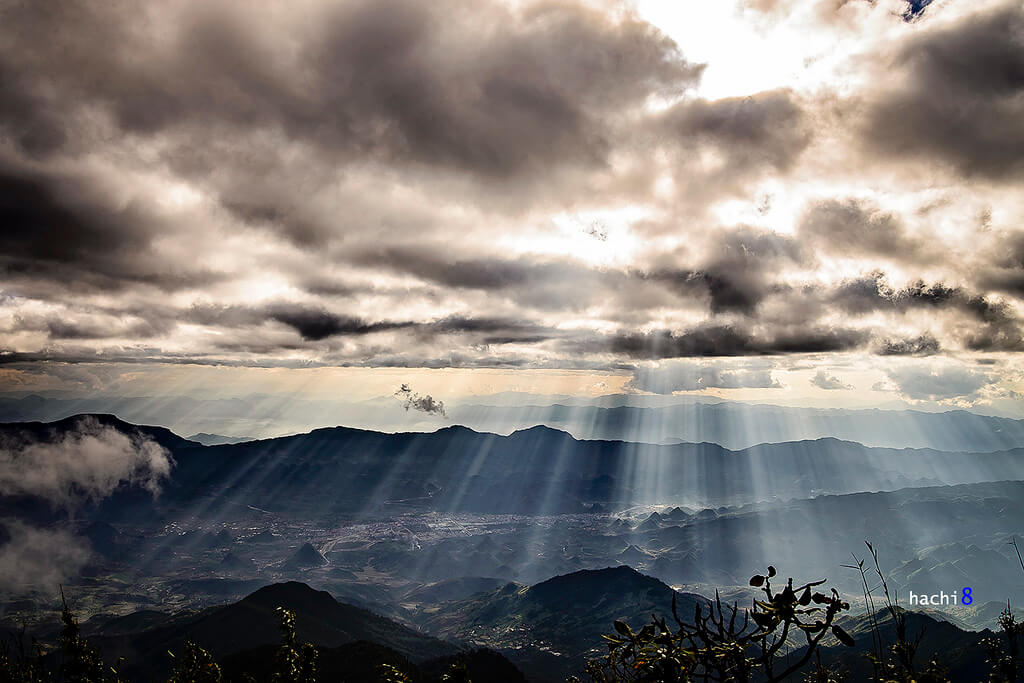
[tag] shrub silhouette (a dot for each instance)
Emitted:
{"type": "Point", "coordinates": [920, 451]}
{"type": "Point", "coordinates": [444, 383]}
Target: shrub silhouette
{"type": "Point", "coordinates": [194, 665]}
{"type": "Point", "coordinates": [725, 643]}
{"type": "Point", "coordinates": [296, 663]}
{"type": "Point", "coordinates": [80, 662]}
{"type": "Point", "coordinates": [1005, 658]}
{"type": "Point", "coordinates": [18, 666]}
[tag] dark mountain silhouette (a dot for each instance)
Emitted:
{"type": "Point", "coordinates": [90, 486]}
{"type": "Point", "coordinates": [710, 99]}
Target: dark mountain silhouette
{"type": "Point", "coordinates": [252, 623]}
{"type": "Point", "coordinates": [306, 556]}
{"type": "Point", "coordinates": [535, 471]}
{"type": "Point", "coordinates": [234, 562]}
{"type": "Point", "coordinates": [17, 433]}
{"type": "Point", "coordinates": [551, 628]}
{"type": "Point", "coordinates": [741, 425]}
{"type": "Point", "coordinates": [541, 470]}
{"type": "Point", "coordinates": [621, 417]}
{"type": "Point", "coordinates": [453, 589]}
{"type": "Point", "coordinates": [360, 662]}
{"type": "Point", "coordinates": [961, 652]}
{"type": "Point", "coordinates": [208, 439]}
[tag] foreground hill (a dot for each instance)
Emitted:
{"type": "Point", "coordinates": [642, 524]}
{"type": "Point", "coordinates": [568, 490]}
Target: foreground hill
{"type": "Point", "coordinates": [550, 629]}
{"type": "Point", "coordinates": [252, 623]}
{"type": "Point", "coordinates": [962, 653]}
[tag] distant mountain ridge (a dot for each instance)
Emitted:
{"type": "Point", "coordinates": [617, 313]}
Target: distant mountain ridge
{"type": "Point", "coordinates": [533, 471]}
{"type": "Point", "coordinates": [217, 439]}
{"type": "Point", "coordinates": [740, 425]}
{"type": "Point", "coordinates": [626, 417]}
{"type": "Point", "coordinates": [12, 435]}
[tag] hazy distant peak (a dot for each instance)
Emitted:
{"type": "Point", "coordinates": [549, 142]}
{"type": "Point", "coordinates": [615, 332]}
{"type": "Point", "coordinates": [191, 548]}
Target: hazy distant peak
{"type": "Point", "coordinates": [208, 439]}
{"type": "Point", "coordinates": [542, 430]}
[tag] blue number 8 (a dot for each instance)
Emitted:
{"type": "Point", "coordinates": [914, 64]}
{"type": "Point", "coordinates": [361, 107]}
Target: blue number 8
{"type": "Point", "coordinates": [967, 597]}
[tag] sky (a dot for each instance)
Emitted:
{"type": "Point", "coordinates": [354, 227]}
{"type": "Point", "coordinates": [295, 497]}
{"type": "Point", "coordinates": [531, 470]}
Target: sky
{"type": "Point", "coordinates": [810, 202]}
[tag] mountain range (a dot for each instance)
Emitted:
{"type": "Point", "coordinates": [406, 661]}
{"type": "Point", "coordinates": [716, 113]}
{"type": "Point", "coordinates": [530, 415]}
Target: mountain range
{"type": "Point", "coordinates": [539, 470]}
{"type": "Point", "coordinates": [623, 417]}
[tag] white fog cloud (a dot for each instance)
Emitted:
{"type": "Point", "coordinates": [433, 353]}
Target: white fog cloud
{"type": "Point", "coordinates": [84, 466]}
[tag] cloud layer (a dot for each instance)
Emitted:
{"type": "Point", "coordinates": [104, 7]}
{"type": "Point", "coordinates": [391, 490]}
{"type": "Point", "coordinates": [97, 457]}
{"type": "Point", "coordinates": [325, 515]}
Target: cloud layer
{"type": "Point", "coordinates": [528, 185]}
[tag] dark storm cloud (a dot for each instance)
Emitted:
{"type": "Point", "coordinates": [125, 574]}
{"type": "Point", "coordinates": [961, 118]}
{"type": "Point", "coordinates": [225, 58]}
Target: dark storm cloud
{"type": "Point", "coordinates": [447, 84]}
{"type": "Point", "coordinates": [26, 116]}
{"type": "Point", "coordinates": [994, 325]}
{"type": "Point", "coordinates": [470, 273]}
{"type": "Point", "coordinates": [727, 289]}
{"type": "Point", "coordinates": [855, 227]}
{"type": "Point", "coordinates": [63, 228]}
{"type": "Point", "coordinates": [726, 340]}
{"type": "Point", "coordinates": [1008, 280]}
{"type": "Point", "coordinates": [45, 361]}
{"type": "Point", "coordinates": [768, 129]}
{"type": "Point", "coordinates": [1005, 271]}
{"type": "Point", "coordinates": [924, 345]}
{"type": "Point", "coordinates": [492, 330]}
{"type": "Point", "coordinates": [313, 323]}
{"type": "Point", "coordinates": [316, 324]}
{"type": "Point", "coordinates": [555, 285]}
{"type": "Point", "coordinates": [738, 272]}
{"type": "Point", "coordinates": [91, 327]}
{"type": "Point", "coordinates": [963, 103]}
{"type": "Point", "coordinates": [873, 292]}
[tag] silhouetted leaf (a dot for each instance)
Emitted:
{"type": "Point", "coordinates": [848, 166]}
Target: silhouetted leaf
{"type": "Point", "coordinates": [756, 580]}
{"type": "Point", "coordinates": [844, 637]}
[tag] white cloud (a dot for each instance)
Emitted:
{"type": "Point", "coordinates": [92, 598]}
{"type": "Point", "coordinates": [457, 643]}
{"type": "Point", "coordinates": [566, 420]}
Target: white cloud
{"type": "Point", "coordinates": [952, 383]}
{"type": "Point", "coordinates": [39, 557]}
{"type": "Point", "coordinates": [823, 380]}
{"type": "Point", "coordinates": [671, 376]}
{"type": "Point", "coordinates": [86, 465]}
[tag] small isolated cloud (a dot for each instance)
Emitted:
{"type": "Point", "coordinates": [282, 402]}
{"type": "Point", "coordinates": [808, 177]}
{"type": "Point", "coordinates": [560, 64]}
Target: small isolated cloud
{"type": "Point", "coordinates": [423, 403]}
{"type": "Point", "coordinates": [940, 384]}
{"type": "Point", "coordinates": [823, 380]}
{"type": "Point", "coordinates": [670, 377]}
{"type": "Point", "coordinates": [85, 465]}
